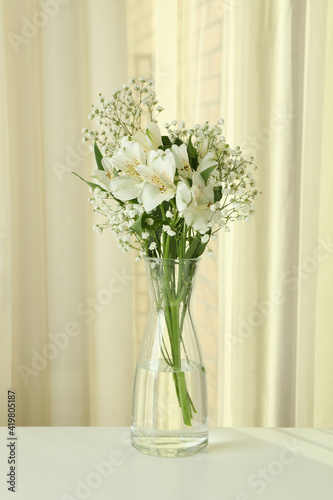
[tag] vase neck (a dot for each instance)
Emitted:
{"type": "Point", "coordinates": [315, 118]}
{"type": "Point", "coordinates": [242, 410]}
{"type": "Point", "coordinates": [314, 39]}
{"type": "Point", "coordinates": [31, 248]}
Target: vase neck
{"type": "Point", "coordinates": [171, 282]}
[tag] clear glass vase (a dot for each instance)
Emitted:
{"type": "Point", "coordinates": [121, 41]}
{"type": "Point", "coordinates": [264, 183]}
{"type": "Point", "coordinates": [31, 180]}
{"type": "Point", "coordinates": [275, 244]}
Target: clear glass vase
{"type": "Point", "coordinates": [169, 412]}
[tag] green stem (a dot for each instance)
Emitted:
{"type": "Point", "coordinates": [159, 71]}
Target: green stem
{"type": "Point", "coordinates": [172, 313]}
{"type": "Point", "coordinates": [174, 304]}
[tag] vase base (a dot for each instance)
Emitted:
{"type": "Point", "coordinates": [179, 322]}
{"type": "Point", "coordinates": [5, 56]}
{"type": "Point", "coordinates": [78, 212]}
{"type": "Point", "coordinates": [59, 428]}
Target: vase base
{"type": "Point", "coordinates": [169, 446]}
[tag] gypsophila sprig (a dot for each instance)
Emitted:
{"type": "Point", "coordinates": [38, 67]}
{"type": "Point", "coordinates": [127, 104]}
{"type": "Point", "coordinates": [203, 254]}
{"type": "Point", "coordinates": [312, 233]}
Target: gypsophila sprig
{"type": "Point", "coordinates": [122, 114]}
{"type": "Point", "coordinates": [166, 195]}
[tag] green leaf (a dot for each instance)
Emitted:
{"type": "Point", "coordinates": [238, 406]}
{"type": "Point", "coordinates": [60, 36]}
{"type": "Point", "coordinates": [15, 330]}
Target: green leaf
{"type": "Point", "coordinates": [193, 163]}
{"type": "Point", "coordinates": [91, 184]}
{"type": "Point", "coordinates": [164, 148]}
{"type": "Point", "coordinates": [158, 233]}
{"type": "Point", "coordinates": [166, 140]}
{"type": "Point", "coordinates": [137, 226]}
{"type": "Point", "coordinates": [172, 248]}
{"type": "Point", "coordinates": [195, 249]}
{"type": "Point", "coordinates": [206, 173]}
{"type": "Point", "coordinates": [201, 249]}
{"type": "Point", "coordinates": [192, 152]}
{"type": "Point", "coordinates": [217, 194]}
{"type": "Point", "coordinates": [98, 157]}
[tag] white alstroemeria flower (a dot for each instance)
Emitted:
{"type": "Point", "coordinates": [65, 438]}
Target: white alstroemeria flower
{"type": "Point", "coordinates": [107, 165]}
{"type": "Point", "coordinates": [182, 160]}
{"type": "Point", "coordinates": [194, 202]}
{"type": "Point", "coordinates": [151, 139]}
{"type": "Point", "coordinates": [126, 188]}
{"type": "Point", "coordinates": [202, 150]}
{"type": "Point", "coordinates": [183, 196]}
{"type": "Point", "coordinates": [159, 175]}
{"type": "Point", "coordinates": [128, 157]}
{"type": "Point", "coordinates": [206, 162]}
{"type": "Point", "coordinates": [153, 134]}
{"type": "Point", "coordinates": [202, 194]}
{"type": "Point", "coordinates": [102, 179]}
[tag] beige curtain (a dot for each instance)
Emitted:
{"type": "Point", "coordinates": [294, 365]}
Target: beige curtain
{"type": "Point", "coordinates": [276, 338]}
{"type": "Point", "coordinates": [69, 325]}
{"type": "Point", "coordinates": [66, 309]}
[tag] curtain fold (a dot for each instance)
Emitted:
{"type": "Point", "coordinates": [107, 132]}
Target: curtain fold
{"type": "Point", "coordinates": [5, 241]}
{"type": "Point", "coordinates": [323, 253]}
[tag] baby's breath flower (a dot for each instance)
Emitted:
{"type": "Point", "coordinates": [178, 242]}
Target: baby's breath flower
{"type": "Point", "coordinates": [167, 229]}
{"type": "Point", "coordinates": [98, 229]}
{"type": "Point", "coordinates": [152, 246]}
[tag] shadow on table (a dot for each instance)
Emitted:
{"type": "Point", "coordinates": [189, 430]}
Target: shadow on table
{"type": "Point", "coordinates": [229, 446]}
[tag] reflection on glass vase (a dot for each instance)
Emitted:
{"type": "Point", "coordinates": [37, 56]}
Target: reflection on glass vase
{"type": "Point", "coordinates": [169, 412]}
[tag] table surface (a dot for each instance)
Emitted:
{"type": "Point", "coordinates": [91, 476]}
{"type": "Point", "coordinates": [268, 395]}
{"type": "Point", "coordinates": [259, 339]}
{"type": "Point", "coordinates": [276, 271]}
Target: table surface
{"type": "Point", "coordinates": [98, 463]}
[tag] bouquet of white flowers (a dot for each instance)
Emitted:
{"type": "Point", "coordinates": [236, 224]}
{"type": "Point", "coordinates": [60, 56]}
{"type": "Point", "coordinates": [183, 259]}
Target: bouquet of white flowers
{"type": "Point", "coordinates": [165, 195]}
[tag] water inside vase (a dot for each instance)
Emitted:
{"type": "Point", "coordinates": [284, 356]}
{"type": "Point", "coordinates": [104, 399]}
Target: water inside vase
{"type": "Point", "coordinates": [157, 417]}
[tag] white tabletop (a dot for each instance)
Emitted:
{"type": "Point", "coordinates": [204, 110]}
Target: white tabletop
{"type": "Point", "coordinates": [68, 463]}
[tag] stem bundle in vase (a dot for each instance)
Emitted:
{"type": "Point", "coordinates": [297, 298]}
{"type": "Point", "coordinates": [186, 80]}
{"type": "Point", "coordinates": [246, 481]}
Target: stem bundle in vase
{"type": "Point", "coordinates": [172, 295]}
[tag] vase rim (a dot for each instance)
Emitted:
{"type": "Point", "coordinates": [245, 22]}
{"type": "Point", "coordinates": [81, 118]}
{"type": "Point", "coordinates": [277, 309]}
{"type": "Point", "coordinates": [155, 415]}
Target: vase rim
{"type": "Point", "coordinates": [176, 261]}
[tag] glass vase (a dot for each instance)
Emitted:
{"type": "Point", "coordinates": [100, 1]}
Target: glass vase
{"type": "Point", "coordinates": [169, 411]}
